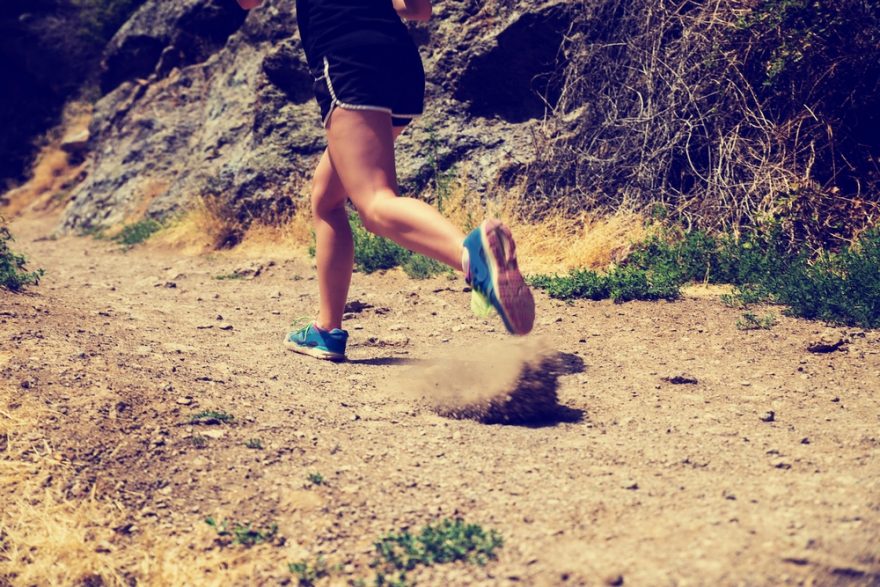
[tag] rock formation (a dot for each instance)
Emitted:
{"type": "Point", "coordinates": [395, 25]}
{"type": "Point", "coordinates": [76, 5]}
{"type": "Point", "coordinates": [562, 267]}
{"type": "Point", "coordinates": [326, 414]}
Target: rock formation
{"type": "Point", "coordinates": [204, 100]}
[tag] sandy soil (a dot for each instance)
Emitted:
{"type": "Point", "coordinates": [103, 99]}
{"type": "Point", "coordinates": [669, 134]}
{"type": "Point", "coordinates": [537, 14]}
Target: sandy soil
{"type": "Point", "coordinates": [639, 481]}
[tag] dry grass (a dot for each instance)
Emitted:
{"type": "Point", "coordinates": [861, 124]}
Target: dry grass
{"type": "Point", "coordinates": [53, 173]}
{"type": "Point", "coordinates": [558, 242]}
{"type": "Point", "coordinates": [50, 538]}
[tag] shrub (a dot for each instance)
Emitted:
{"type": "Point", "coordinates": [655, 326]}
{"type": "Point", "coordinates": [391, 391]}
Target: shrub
{"type": "Point", "coordinates": [13, 274]}
{"type": "Point", "coordinates": [842, 287]}
{"type": "Point", "coordinates": [135, 234]}
{"type": "Point", "coordinates": [373, 253]}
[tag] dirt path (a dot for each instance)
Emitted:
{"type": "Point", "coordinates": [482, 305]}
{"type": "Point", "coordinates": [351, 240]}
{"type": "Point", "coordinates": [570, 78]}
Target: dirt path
{"type": "Point", "coordinates": [652, 483]}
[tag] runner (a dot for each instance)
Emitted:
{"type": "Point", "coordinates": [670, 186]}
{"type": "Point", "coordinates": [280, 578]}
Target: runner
{"type": "Point", "coordinates": [369, 84]}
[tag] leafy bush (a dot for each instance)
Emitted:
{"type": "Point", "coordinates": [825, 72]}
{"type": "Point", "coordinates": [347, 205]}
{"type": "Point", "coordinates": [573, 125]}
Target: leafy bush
{"type": "Point", "coordinates": [373, 253]}
{"type": "Point", "coordinates": [446, 542]}
{"type": "Point", "coordinates": [134, 234]}
{"type": "Point", "coordinates": [13, 274]}
{"type": "Point", "coordinates": [841, 287]}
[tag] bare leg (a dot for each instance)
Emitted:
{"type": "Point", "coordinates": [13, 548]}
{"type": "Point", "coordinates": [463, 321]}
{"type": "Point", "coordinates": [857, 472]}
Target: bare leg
{"type": "Point", "coordinates": [334, 248]}
{"type": "Point", "coordinates": [361, 148]}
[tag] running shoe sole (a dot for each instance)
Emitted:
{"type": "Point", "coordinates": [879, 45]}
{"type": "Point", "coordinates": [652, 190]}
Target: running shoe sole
{"type": "Point", "coordinates": [511, 291]}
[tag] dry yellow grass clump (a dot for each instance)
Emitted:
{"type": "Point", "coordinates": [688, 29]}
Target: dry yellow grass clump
{"type": "Point", "coordinates": [557, 242]}
{"type": "Point", "coordinates": [54, 170]}
{"type": "Point", "coordinates": [48, 537]}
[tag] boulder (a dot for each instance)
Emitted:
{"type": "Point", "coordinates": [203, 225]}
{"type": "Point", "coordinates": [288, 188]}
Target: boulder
{"type": "Point", "coordinates": [201, 102]}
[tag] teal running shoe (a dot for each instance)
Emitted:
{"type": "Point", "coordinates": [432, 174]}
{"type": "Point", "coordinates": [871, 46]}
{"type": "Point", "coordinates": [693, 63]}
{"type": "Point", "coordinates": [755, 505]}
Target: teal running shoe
{"type": "Point", "coordinates": [493, 273]}
{"type": "Point", "coordinates": [321, 344]}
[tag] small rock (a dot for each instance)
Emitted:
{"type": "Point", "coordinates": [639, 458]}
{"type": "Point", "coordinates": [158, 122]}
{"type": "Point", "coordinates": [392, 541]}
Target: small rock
{"type": "Point", "coordinates": [75, 142]}
{"type": "Point", "coordinates": [614, 580]}
{"type": "Point", "coordinates": [170, 284]}
{"type": "Point", "coordinates": [226, 327]}
{"type": "Point", "coordinates": [824, 346]}
{"type": "Point", "coordinates": [632, 486]}
{"type": "Point", "coordinates": [769, 416]}
{"type": "Point", "coordinates": [215, 433]}
{"type": "Point", "coordinates": [680, 380]}
{"type": "Point", "coordinates": [184, 400]}
{"type": "Point", "coordinates": [781, 464]}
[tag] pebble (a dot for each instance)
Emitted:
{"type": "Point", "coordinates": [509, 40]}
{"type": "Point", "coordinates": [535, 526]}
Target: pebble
{"type": "Point", "coordinates": [226, 327]}
{"type": "Point", "coordinates": [184, 400]}
{"type": "Point", "coordinates": [768, 416]}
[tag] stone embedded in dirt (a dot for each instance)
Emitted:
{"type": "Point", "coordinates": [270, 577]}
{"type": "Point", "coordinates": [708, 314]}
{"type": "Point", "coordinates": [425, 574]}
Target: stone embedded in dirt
{"type": "Point", "coordinates": [781, 464]}
{"type": "Point", "coordinates": [614, 580]}
{"type": "Point", "coordinates": [825, 346]}
{"type": "Point", "coordinates": [768, 416]}
{"type": "Point", "coordinates": [185, 400]}
{"type": "Point", "coordinates": [226, 327]}
{"type": "Point", "coordinates": [631, 485]}
{"type": "Point", "coordinates": [357, 306]}
{"type": "Point", "coordinates": [394, 340]}
{"type": "Point", "coordinates": [680, 380]}
{"type": "Point", "coordinates": [216, 433]}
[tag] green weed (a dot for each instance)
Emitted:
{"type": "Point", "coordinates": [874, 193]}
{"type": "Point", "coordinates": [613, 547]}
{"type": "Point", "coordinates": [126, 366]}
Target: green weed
{"type": "Point", "coordinates": [307, 573]}
{"type": "Point", "coordinates": [254, 443]}
{"type": "Point", "coordinates": [446, 542]}
{"type": "Point", "coordinates": [135, 234]}
{"type": "Point", "coordinates": [14, 275]}
{"type": "Point", "coordinates": [228, 276]}
{"type": "Point", "coordinates": [199, 441]}
{"type": "Point", "coordinates": [374, 253]}
{"type": "Point", "coordinates": [751, 321]}
{"type": "Point", "coordinates": [243, 534]}
{"type": "Point", "coordinates": [396, 554]}
{"type": "Point", "coordinates": [211, 417]}
{"type": "Point", "coordinates": [621, 284]}
{"type": "Point", "coordinates": [842, 287]}
{"type": "Point", "coordinates": [315, 478]}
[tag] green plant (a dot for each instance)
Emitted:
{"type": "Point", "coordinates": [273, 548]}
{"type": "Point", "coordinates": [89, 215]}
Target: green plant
{"type": "Point", "coordinates": [315, 478]}
{"type": "Point", "coordinates": [309, 573]}
{"type": "Point", "coordinates": [211, 417]}
{"type": "Point", "coordinates": [228, 276]}
{"type": "Point", "coordinates": [134, 234]}
{"type": "Point", "coordinates": [446, 542]}
{"type": "Point", "coordinates": [14, 275]}
{"type": "Point", "coordinates": [254, 443]}
{"type": "Point", "coordinates": [199, 441]}
{"type": "Point", "coordinates": [373, 253]}
{"type": "Point", "coordinates": [242, 533]}
{"type": "Point", "coordinates": [421, 267]}
{"type": "Point", "coordinates": [751, 321]}
{"type": "Point", "coordinates": [621, 284]}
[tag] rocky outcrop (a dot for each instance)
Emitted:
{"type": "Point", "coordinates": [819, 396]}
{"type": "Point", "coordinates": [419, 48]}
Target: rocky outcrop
{"type": "Point", "coordinates": [203, 102]}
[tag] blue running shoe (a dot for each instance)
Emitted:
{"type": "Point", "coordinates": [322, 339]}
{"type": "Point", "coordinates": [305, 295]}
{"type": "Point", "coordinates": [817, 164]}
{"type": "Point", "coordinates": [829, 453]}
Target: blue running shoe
{"type": "Point", "coordinates": [317, 343]}
{"type": "Point", "coordinates": [493, 272]}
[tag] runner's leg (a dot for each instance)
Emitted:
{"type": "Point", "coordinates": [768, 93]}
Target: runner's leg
{"type": "Point", "coordinates": [334, 248]}
{"type": "Point", "coordinates": [360, 144]}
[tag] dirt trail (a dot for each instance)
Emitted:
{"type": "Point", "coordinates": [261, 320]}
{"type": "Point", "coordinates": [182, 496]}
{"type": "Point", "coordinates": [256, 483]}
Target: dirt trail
{"type": "Point", "coordinates": [644, 480]}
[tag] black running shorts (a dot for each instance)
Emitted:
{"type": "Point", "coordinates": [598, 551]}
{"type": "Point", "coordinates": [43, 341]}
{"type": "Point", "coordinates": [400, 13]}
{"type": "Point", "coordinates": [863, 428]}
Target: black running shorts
{"type": "Point", "coordinates": [385, 78]}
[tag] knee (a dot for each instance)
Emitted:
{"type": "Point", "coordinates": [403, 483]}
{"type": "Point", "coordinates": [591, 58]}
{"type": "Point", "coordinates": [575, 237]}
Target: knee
{"type": "Point", "coordinates": [374, 218]}
{"type": "Point", "coordinates": [323, 205]}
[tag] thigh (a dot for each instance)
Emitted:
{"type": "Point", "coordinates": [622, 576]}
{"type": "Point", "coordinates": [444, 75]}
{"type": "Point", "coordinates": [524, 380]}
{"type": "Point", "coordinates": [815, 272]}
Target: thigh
{"type": "Point", "coordinates": [361, 147]}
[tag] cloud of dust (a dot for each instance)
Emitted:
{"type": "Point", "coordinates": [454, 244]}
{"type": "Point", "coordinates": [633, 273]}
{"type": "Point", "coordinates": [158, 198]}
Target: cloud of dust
{"type": "Point", "coordinates": [513, 381]}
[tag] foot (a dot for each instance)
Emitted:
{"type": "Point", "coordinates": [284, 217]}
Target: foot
{"type": "Point", "coordinates": [321, 344]}
{"type": "Point", "coordinates": [493, 272]}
